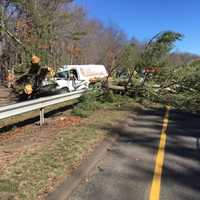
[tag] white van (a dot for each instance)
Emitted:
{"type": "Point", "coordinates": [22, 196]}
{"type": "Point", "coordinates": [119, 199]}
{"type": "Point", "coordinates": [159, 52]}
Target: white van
{"type": "Point", "coordinates": [74, 77]}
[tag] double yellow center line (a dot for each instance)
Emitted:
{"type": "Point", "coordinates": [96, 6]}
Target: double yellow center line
{"type": "Point", "coordinates": [156, 183]}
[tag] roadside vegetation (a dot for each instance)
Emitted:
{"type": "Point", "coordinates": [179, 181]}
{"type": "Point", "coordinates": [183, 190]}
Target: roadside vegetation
{"type": "Point", "coordinates": [94, 100]}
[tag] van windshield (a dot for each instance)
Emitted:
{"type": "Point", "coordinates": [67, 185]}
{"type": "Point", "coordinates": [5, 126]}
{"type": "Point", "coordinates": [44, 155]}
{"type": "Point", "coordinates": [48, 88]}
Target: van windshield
{"type": "Point", "coordinates": [64, 75]}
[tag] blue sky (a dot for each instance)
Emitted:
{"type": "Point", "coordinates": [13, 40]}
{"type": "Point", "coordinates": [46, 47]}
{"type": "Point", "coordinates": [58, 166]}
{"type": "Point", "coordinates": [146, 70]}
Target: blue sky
{"type": "Point", "coordinates": [144, 18]}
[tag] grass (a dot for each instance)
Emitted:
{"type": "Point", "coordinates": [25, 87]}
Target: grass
{"type": "Point", "coordinates": [35, 174]}
{"type": "Point", "coordinates": [93, 101]}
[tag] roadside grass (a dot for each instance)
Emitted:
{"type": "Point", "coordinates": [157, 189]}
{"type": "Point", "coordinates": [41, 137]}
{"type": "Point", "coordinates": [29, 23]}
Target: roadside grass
{"type": "Point", "coordinates": [148, 103]}
{"type": "Point", "coordinates": [93, 101]}
{"type": "Point", "coordinates": [35, 174]}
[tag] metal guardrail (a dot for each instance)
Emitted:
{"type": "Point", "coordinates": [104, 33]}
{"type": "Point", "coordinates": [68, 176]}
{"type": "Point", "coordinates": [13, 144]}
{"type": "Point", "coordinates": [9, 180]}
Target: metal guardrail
{"type": "Point", "coordinates": [37, 104]}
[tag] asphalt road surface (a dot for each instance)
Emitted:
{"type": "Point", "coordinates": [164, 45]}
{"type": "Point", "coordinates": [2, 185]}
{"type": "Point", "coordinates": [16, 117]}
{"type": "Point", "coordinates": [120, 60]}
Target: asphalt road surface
{"type": "Point", "coordinates": [128, 169]}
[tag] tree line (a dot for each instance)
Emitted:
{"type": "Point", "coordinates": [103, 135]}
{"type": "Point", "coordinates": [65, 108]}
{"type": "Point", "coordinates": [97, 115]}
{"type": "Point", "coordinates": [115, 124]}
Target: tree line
{"type": "Point", "coordinates": [57, 31]}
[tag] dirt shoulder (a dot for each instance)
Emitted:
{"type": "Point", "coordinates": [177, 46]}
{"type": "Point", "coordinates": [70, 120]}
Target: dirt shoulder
{"type": "Point", "coordinates": [35, 160]}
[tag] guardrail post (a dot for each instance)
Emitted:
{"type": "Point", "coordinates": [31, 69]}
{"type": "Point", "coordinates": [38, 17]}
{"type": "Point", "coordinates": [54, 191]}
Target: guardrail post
{"type": "Point", "coordinates": [42, 116]}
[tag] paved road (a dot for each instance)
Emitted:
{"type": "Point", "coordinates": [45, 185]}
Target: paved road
{"type": "Point", "coordinates": [181, 175]}
{"type": "Point", "coordinates": [128, 169]}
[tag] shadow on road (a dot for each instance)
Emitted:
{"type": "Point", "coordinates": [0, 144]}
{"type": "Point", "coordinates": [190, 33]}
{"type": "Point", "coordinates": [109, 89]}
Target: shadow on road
{"type": "Point", "coordinates": [181, 172]}
{"type": "Point", "coordinates": [182, 165]}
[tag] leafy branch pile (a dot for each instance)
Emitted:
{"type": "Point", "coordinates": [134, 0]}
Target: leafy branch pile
{"type": "Point", "coordinates": [151, 76]}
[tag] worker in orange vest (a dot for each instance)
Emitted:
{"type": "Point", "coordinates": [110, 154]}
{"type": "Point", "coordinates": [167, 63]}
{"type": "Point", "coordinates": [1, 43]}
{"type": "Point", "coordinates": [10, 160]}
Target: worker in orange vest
{"type": "Point", "coordinates": [10, 78]}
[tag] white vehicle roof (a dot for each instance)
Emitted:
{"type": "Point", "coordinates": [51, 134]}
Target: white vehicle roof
{"type": "Point", "coordinates": [89, 72]}
{"type": "Point", "coordinates": [68, 67]}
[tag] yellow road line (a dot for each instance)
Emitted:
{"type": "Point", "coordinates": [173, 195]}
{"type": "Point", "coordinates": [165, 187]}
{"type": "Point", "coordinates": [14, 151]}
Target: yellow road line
{"type": "Point", "coordinates": [156, 183]}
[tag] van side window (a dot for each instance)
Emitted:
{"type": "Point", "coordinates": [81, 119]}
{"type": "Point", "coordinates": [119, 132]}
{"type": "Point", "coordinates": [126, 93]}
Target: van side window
{"type": "Point", "coordinates": [74, 72]}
